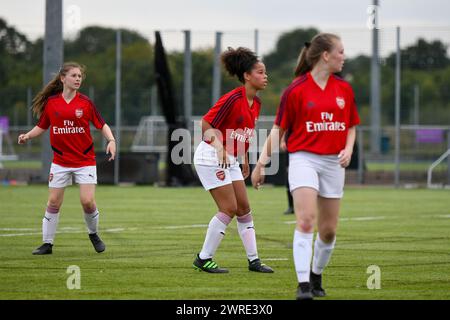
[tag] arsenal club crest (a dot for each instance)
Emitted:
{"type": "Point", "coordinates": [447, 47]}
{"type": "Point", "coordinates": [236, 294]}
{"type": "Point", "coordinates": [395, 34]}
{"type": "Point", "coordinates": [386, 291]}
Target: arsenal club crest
{"type": "Point", "coordinates": [79, 113]}
{"type": "Point", "coordinates": [340, 102]}
{"type": "Point", "coordinates": [220, 175]}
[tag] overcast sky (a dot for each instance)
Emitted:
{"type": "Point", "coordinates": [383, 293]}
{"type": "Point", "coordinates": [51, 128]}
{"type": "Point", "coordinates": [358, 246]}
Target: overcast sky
{"type": "Point", "coordinates": [239, 18]}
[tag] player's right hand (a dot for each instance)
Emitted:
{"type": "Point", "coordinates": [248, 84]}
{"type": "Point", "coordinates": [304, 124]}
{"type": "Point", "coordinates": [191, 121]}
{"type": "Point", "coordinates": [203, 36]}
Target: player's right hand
{"type": "Point", "coordinates": [224, 162]}
{"type": "Point", "coordinates": [23, 138]}
{"type": "Point", "coordinates": [258, 176]}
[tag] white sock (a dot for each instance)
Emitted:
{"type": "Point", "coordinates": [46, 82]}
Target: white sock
{"type": "Point", "coordinates": [214, 235]}
{"type": "Point", "coordinates": [49, 225]}
{"type": "Point", "coordinates": [91, 220]}
{"type": "Point", "coordinates": [247, 233]}
{"type": "Point", "coordinates": [322, 254]}
{"type": "Point", "coordinates": [302, 249]}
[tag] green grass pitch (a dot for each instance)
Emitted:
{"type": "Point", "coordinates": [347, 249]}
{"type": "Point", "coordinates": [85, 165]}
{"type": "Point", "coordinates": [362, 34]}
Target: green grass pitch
{"type": "Point", "coordinates": [152, 235]}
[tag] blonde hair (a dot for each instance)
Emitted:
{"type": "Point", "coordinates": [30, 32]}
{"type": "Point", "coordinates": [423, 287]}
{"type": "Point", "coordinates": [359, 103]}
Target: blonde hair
{"type": "Point", "coordinates": [55, 86]}
{"type": "Point", "coordinates": [312, 52]}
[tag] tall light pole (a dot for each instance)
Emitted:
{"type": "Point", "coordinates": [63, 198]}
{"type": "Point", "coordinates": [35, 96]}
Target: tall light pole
{"type": "Point", "coordinates": [53, 60]}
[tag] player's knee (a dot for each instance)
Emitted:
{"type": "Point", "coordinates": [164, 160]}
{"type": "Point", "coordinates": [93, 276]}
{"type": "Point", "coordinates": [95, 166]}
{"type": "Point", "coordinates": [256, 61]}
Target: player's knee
{"type": "Point", "coordinates": [230, 210]}
{"type": "Point", "coordinates": [53, 206]}
{"type": "Point", "coordinates": [243, 210]}
{"type": "Point", "coordinates": [88, 204]}
{"type": "Point", "coordinates": [328, 235]}
{"type": "Point", "coordinates": [306, 225]}
{"type": "Point", "coordinates": [54, 203]}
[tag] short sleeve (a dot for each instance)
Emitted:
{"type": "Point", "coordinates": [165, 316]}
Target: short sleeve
{"type": "Point", "coordinates": [282, 118]}
{"type": "Point", "coordinates": [219, 112]}
{"type": "Point", "coordinates": [44, 119]}
{"type": "Point", "coordinates": [354, 116]}
{"type": "Point", "coordinates": [96, 118]}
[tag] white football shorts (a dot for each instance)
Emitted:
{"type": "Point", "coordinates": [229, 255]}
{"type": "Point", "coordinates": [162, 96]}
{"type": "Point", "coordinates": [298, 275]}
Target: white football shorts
{"type": "Point", "coordinates": [61, 177]}
{"type": "Point", "coordinates": [207, 166]}
{"type": "Point", "coordinates": [320, 172]}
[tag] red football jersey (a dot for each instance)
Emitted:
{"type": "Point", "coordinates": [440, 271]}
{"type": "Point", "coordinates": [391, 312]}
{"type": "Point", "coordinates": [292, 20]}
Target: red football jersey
{"type": "Point", "coordinates": [317, 120]}
{"type": "Point", "coordinates": [70, 135]}
{"type": "Point", "coordinates": [235, 119]}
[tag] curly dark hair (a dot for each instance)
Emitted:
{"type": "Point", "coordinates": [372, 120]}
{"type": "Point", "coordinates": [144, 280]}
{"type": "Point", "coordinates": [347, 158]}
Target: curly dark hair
{"type": "Point", "coordinates": [238, 61]}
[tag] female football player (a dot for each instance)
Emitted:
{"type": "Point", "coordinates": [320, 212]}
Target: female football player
{"type": "Point", "coordinates": [318, 113]}
{"type": "Point", "coordinates": [227, 132]}
{"type": "Point", "coordinates": [60, 107]}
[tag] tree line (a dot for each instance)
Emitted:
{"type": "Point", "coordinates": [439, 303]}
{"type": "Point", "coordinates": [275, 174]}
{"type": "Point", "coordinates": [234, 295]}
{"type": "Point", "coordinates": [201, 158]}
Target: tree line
{"type": "Point", "coordinates": [424, 64]}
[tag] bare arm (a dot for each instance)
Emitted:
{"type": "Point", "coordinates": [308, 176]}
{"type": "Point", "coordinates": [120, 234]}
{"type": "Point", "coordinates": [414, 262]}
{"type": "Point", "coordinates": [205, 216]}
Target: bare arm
{"type": "Point", "coordinates": [214, 137]}
{"type": "Point", "coordinates": [33, 133]}
{"type": "Point", "coordinates": [111, 146]}
{"type": "Point", "coordinates": [271, 144]}
{"type": "Point", "coordinates": [346, 155]}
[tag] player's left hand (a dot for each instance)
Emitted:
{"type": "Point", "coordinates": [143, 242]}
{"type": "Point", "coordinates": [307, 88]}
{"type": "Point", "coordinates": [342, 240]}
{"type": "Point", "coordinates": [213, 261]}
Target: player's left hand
{"type": "Point", "coordinates": [245, 170]}
{"type": "Point", "coordinates": [111, 149]}
{"type": "Point", "coordinates": [344, 158]}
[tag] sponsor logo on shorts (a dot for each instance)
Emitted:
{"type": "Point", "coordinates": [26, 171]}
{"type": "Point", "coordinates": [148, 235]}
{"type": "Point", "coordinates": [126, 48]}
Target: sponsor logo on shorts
{"type": "Point", "coordinates": [50, 177]}
{"type": "Point", "coordinates": [340, 102]}
{"type": "Point", "coordinates": [79, 113]}
{"type": "Point", "coordinates": [220, 175]}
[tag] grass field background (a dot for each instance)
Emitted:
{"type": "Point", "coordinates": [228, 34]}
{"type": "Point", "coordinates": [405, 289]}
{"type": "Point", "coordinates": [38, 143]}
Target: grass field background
{"type": "Point", "coordinates": [152, 235]}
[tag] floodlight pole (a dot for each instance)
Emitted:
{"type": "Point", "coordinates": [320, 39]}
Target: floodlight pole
{"type": "Point", "coordinates": [53, 60]}
{"type": "Point", "coordinates": [397, 110]}
{"type": "Point", "coordinates": [216, 69]}
{"type": "Point", "coordinates": [118, 105]}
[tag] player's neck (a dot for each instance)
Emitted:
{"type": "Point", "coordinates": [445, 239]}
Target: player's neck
{"type": "Point", "coordinates": [250, 92]}
{"type": "Point", "coordinates": [68, 94]}
{"type": "Point", "coordinates": [320, 76]}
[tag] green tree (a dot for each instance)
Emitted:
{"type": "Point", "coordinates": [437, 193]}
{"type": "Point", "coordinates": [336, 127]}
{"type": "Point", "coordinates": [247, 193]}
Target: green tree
{"type": "Point", "coordinates": [288, 47]}
{"type": "Point", "coordinates": [423, 56]}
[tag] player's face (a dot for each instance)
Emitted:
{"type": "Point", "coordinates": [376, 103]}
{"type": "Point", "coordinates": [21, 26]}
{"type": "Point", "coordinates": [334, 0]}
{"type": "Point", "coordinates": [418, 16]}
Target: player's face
{"type": "Point", "coordinates": [336, 57]}
{"type": "Point", "coordinates": [257, 76]}
{"type": "Point", "coordinates": [73, 78]}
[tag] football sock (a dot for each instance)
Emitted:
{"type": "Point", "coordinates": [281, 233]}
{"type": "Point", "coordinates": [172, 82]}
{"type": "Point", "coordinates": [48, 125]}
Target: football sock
{"type": "Point", "coordinates": [91, 220]}
{"type": "Point", "coordinates": [214, 235]}
{"type": "Point", "coordinates": [302, 250]}
{"type": "Point", "coordinates": [322, 254]}
{"type": "Point", "coordinates": [247, 234]}
{"type": "Point", "coordinates": [49, 224]}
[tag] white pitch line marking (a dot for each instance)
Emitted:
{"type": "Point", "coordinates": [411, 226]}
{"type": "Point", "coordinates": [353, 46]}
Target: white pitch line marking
{"type": "Point", "coordinates": [276, 259]}
{"type": "Point", "coordinates": [63, 230]}
{"type": "Point", "coordinates": [185, 226]}
{"type": "Point", "coordinates": [17, 229]}
{"type": "Point", "coordinates": [350, 219]}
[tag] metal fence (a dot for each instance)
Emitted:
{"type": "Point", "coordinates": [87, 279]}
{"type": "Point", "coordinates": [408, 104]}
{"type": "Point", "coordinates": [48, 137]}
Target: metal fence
{"type": "Point", "coordinates": [420, 146]}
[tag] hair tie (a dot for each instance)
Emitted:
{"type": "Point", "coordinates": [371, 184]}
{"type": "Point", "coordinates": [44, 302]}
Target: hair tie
{"type": "Point", "coordinates": [307, 44]}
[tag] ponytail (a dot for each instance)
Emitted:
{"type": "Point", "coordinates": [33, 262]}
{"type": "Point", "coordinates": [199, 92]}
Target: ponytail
{"type": "Point", "coordinates": [312, 51]}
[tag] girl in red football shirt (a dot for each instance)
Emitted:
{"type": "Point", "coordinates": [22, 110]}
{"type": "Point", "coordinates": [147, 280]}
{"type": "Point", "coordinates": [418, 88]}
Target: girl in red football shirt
{"type": "Point", "coordinates": [227, 132]}
{"type": "Point", "coordinates": [318, 114]}
{"type": "Point", "coordinates": [60, 107]}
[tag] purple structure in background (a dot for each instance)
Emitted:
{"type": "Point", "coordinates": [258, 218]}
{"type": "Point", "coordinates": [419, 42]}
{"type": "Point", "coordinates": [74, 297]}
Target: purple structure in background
{"type": "Point", "coordinates": [430, 136]}
{"type": "Point", "coordinates": [4, 124]}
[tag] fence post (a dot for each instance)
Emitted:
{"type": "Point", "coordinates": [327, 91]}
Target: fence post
{"type": "Point", "coordinates": [448, 158]}
{"type": "Point", "coordinates": [360, 156]}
